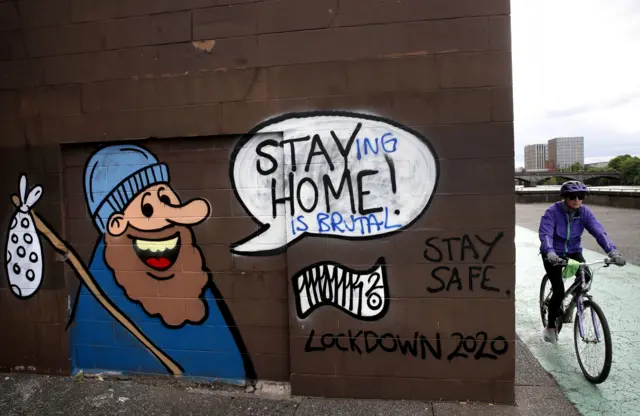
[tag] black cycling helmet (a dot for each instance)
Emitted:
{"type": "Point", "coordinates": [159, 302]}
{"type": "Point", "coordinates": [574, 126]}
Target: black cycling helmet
{"type": "Point", "coordinates": [573, 187]}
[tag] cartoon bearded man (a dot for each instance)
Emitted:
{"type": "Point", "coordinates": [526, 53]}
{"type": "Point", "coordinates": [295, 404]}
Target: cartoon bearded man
{"type": "Point", "coordinates": [148, 264]}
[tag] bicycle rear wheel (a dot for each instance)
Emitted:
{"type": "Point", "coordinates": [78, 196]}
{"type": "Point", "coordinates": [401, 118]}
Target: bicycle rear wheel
{"type": "Point", "coordinates": [593, 318]}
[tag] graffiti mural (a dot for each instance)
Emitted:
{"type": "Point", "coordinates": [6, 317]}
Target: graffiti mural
{"type": "Point", "coordinates": [147, 285]}
{"type": "Point", "coordinates": [148, 249]}
{"type": "Point", "coordinates": [332, 174]}
{"type": "Point", "coordinates": [335, 174]}
{"type": "Point", "coordinates": [149, 303]}
{"type": "Point", "coordinates": [355, 177]}
{"type": "Point", "coordinates": [361, 294]}
{"type": "Point", "coordinates": [23, 260]}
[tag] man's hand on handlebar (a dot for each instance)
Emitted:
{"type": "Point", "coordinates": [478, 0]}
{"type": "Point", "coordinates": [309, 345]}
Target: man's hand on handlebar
{"type": "Point", "coordinates": [617, 259]}
{"type": "Point", "coordinates": [553, 259]}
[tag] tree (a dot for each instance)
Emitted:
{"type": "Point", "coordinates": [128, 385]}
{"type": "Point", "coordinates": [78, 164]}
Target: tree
{"type": "Point", "coordinates": [617, 161]}
{"type": "Point", "coordinates": [629, 168]}
{"type": "Point", "coordinates": [576, 167]}
{"type": "Point", "coordinates": [630, 171]}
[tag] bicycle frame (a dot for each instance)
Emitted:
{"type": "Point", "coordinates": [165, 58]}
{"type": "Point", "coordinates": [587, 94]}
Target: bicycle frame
{"type": "Point", "coordinates": [578, 298]}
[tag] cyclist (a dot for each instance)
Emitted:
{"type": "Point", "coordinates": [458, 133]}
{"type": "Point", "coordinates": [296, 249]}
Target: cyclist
{"type": "Point", "coordinates": [560, 233]}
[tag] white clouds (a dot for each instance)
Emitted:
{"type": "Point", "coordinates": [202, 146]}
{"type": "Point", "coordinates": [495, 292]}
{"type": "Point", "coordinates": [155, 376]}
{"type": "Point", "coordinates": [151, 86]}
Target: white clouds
{"type": "Point", "coordinates": [576, 70]}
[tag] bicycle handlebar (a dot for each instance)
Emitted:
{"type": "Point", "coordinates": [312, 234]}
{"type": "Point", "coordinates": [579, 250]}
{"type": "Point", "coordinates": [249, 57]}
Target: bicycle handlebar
{"type": "Point", "coordinates": [606, 261]}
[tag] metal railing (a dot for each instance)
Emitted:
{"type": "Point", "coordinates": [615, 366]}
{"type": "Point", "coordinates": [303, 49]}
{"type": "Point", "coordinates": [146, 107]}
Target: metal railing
{"type": "Point", "coordinates": [595, 189]}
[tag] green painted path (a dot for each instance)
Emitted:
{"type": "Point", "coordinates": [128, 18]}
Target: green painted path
{"type": "Point", "coordinates": [617, 291]}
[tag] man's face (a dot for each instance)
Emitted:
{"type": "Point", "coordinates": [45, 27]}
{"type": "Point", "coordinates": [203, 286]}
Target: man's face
{"type": "Point", "coordinates": [151, 249]}
{"type": "Point", "coordinates": [574, 201]}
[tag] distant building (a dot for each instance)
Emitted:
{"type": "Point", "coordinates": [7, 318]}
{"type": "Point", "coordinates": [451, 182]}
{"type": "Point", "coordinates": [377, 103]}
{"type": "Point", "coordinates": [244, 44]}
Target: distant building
{"type": "Point", "coordinates": [535, 156]}
{"type": "Point", "coordinates": [565, 151]}
{"type": "Point", "coordinates": [596, 165]}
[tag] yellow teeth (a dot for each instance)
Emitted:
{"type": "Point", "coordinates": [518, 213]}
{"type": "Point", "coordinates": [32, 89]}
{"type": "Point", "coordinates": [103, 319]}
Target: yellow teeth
{"type": "Point", "coordinates": [155, 245]}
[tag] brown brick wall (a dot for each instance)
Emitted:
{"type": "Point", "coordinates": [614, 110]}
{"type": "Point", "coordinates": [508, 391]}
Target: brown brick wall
{"type": "Point", "coordinates": [197, 73]}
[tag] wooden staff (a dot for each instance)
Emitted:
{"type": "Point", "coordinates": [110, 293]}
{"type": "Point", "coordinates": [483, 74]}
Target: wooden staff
{"type": "Point", "coordinates": [88, 280]}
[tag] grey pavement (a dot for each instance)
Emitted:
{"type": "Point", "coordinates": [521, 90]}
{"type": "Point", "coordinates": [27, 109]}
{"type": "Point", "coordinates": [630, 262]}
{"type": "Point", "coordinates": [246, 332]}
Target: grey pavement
{"type": "Point", "coordinates": [615, 289]}
{"type": "Point", "coordinates": [23, 394]}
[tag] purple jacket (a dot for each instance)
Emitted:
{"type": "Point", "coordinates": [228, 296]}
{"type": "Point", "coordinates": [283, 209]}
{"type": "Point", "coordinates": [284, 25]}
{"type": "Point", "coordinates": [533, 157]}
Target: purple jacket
{"type": "Point", "coordinates": [561, 231]}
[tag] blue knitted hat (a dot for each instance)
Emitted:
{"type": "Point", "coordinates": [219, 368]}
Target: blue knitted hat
{"type": "Point", "coordinates": [115, 175]}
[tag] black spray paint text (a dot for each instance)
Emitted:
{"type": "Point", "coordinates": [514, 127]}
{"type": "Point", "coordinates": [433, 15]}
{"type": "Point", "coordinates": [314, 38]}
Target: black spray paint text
{"type": "Point", "coordinates": [476, 347]}
{"type": "Point", "coordinates": [459, 277]}
{"type": "Point", "coordinates": [460, 249]}
{"type": "Point", "coordinates": [327, 190]}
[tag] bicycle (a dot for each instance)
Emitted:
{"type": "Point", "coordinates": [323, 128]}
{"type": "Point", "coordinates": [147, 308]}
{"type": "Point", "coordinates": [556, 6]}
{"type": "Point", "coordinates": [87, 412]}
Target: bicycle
{"type": "Point", "coordinates": [578, 297]}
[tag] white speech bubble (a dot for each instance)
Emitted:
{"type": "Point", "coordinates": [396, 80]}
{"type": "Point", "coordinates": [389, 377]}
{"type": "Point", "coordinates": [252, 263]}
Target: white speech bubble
{"type": "Point", "coordinates": [336, 174]}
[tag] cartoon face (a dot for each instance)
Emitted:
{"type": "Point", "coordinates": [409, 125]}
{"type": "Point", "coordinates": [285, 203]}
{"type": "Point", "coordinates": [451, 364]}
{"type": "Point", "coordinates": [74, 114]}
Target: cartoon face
{"type": "Point", "coordinates": [151, 249]}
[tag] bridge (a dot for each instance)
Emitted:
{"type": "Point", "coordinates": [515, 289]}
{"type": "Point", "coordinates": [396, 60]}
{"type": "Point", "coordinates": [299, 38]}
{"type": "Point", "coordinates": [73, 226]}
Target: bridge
{"type": "Point", "coordinates": [534, 178]}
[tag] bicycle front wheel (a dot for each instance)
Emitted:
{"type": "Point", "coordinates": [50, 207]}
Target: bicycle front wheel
{"type": "Point", "coordinates": [545, 296]}
{"type": "Point", "coordinates": [546, 290]}
{"type": "Point", "coordinates": [593, 348]}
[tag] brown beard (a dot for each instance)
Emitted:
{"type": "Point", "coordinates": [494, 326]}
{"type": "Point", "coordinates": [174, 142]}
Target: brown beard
{"type": "Point", "coordinates": [175, 295]}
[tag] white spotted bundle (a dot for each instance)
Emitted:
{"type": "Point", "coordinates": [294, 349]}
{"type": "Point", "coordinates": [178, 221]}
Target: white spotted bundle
{"type": "Point", "coordinates": [23, 260]}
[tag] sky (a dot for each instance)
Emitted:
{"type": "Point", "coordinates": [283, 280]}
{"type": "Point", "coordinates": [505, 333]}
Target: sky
{"type": "Point", "coordinates": [576, 72]}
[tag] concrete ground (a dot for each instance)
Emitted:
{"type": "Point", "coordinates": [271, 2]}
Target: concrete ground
{"type": "Point", "coordinates": [22, 394]}
{"type": "Point", "coordinates": [615, 289]}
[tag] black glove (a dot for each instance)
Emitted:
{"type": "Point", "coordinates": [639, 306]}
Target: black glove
{"type": "Point", "coordinates": [553, 259]}
{"type": "Point", "coordinates": [617, 258]}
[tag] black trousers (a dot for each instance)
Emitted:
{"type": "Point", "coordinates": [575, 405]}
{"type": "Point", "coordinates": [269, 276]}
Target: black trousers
{"type": "Point", "coordinates": [557, 285]}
